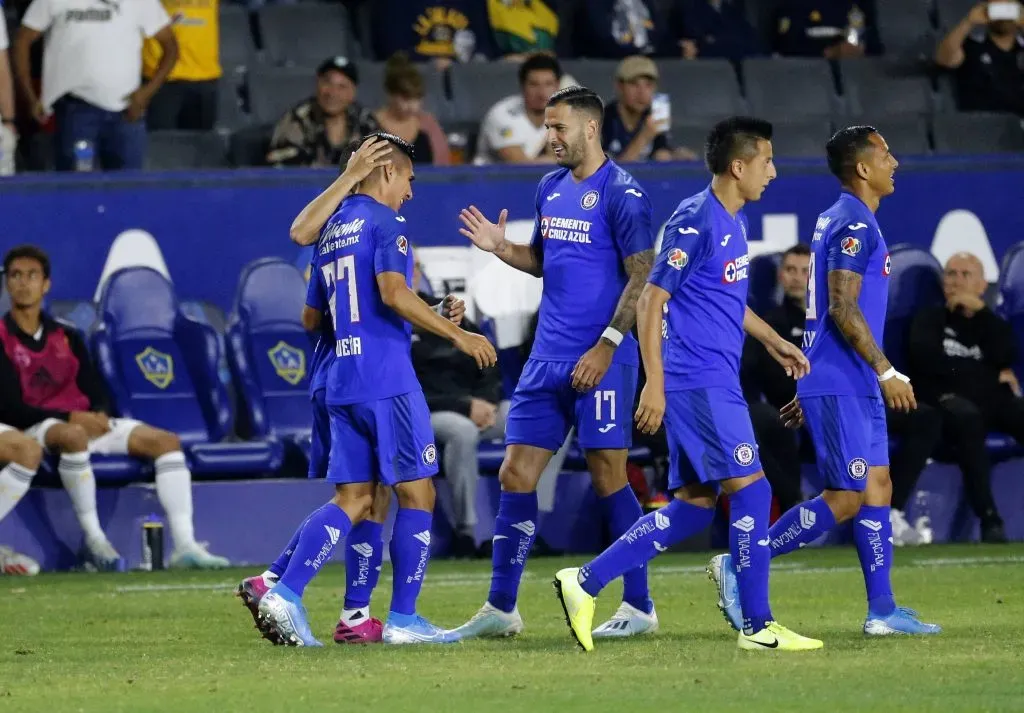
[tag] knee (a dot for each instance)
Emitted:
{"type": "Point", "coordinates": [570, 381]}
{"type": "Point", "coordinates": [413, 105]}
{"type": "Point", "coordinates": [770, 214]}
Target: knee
{"type": "Point", "coordinates": [356, 502]}
{"type": "Point", "coordinates": [844, 503]}
{"type": "Point", "coordinates": [26, 452]}
{"type": "Point", "coordinates": [416, 495]}
{"type": "Point", "coordinates": [514, 478]}
{"type": "Point", "coordinates": [68, 438]}
{"type": "Point", "coordinates": [165, 442]}
{"type": "Point", "coordinates": [381, 503]}
{"type": "Point", "coordinates": [608, 474]}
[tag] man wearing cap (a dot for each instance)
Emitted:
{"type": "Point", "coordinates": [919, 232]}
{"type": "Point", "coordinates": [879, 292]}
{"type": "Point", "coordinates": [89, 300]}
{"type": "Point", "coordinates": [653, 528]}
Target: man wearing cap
{"type": "Point", "coordinates": [631, 130]}
{"type": "Point", "coordinates": [315, 132]}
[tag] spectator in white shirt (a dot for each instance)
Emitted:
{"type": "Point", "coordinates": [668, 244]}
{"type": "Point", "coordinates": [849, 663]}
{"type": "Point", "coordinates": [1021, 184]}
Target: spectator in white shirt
{"type": "Point", "coordinates": [92, 69]}
{"type": "Point", "coordinates": [8, 137]}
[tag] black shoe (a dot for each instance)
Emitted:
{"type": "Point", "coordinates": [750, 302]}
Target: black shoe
{"type": "Point", "coordinates": [542, 549]}
{"type": "Point", "coordinates": [463, 547]}
{"type": "Point", "coordinates": [993, 533]}
{"type": "Point", "coordinates": [485, 550]}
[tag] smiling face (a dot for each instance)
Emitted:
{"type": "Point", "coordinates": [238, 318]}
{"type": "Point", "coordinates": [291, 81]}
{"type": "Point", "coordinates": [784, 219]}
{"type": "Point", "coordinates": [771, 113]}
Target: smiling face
{"type": "Point", "coordinates": [879, 166]}
{"type": "Point", "coordinates": [569, 132]}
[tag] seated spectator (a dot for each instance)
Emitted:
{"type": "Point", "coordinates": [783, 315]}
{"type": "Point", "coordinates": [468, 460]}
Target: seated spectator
{"type": "Point", "coordinates": [834, 29]}
{"type": "Point", "coordinates": [522, 27]}
{"type": "Point", "coordinates": [960, 358]}
{"type": "Point", "coordinates": [188, 99]}
{"type": "Point", "coordinates": [92, 65]}
{"type": "Point", "coordinates": [465, 408]}
{"type": "Point", "coordinates": [442, 31]}
{"type": "Point", "coordinates": [631, 131]}
{"type": "Point", "coordinates": [8, 134]}
{"type": "Point", "coordinates": [513, 129]}
{"type": "Point", "coordinates": [21, 456]}
{"type": "Point", "coordinates": [988, 62]}
{"type": "Point", "coordinates": [404, 116]}
{"type": "Point", "coordinates": [53, 393]}
{"type": "Point", "coordinates": [715, 29]}
{"type": "Point", "coordinates": [316, 131]}
{"type": "Point", "coordinates": [610, 29]}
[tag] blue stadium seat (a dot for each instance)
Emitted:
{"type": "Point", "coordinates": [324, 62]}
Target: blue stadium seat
{"type": "Point", "coordinates": [763, 293]}
{"type": "Point", "coordinates": [79, 314]}
{"type": "Point", "coordinates": [161, 368]}
{"type": "Point", "coordinates": [914, 283]}
{"type": "Point", "coordinates": [270, 352]}
{"type": "Point", "coordinates": [1011, 289]}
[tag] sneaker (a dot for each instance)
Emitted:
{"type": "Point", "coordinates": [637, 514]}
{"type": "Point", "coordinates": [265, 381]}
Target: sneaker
{"type": "Point", "coordinates": [900, 621]}
{"type": "Point", "coordinates": [251, 591]}
{"type": "Point", "coordinates": [902, 533]}
{"type": "Point", "coordinates": [196, 556]}
{"type": "Point", "coordinates": [370, 631]}
{"type": "Point", "coordinates": [775, 637]}
{"type": "Point", "coordinates": [16, 564]}
{"type": "Point", "coordinates": [923, 526]}
{"type": "Point", "coordinates": [282, 613]}
{"type": "Point", "coordinates": [491, 622]}
{"type": "Point", "coordinates": [720, 571]}
{"type": "Point", "coordinates": [100, 556]}
{"type": "Point", "coordinates": [414, 629]}
{"type": "Point", "coordinates": [628, 621]}
{"type": "Point", "coordinates": [577, 605]}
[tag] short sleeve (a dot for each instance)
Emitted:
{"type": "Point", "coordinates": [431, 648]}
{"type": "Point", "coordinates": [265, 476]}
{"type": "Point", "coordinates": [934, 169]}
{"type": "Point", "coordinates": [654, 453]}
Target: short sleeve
{"type": "Point", "coordinates": [152, 17]}
{"type": "Point", "coordinates": [315, 293]}
{"type": "Point", "coordinates": [537, 240]}
{"type": "Point", "coordinates": [391, 253]}
{"type": "Point", "coordinates": [684, 248]}
{"type": "Point", "coordinates": [39, 15]}
{"type": "Point", "coordinates": [629, 218]}
{"type": "Point", "coordinates": [498, 129]}
{"type": "Point", "coordinates": [850, 246]}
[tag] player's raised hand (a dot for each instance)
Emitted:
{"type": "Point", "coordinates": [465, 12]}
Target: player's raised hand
{"type": "Point", "coordinates": [371, 155]}
{"type": "Point", "coordinates": [899, 394]}
{"type": "Point", "coordinates": [485, 235]}
{"type": "Point", "coordinates": [591, 367]}
{"type": "Point", "coordinates": [791, 358]}
{"type": "Point", "coordinates": [454, 309]}
{"type": "Point", "coordinates": [651, 410]}
{"type": "Point", "coordinates": [477, 347]}
{"type": "Point", "coordinates": [792, 414]}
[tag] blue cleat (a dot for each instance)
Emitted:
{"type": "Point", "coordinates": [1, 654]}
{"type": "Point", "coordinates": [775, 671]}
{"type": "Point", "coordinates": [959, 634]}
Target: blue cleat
{"type": "Point", "coordinates": [721, 572]}
{"type": "Point", "coordinates": [282, 615]}
{"type": "Point", "coordinates": [900, 621]}
{"type": "Point", "coordinates": [414, 629]}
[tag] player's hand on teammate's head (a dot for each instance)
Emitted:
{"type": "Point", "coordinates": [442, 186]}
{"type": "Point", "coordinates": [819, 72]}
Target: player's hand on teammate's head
{"type": "Point", "coordinates": [370, 155]}
{"type": "Point", "coordinates": [651, 410]}
{"type": "Point", "coordinates": [791, 357]}
{"type": "Point", "coordinates": [485, 235]}
{"type": "Point", "coordinates": [792, 414]}
{"type": "Point", "coordinates": [899, 394]}
{"type": "Point", "coordinates": [454, 309]}
{"type": "Point", "coordinates": [591, 367]}
{"type": "Point", "coordinates": [478, 347]}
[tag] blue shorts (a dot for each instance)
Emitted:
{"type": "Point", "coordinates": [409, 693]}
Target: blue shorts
{"type": "Point", "coordinates": [849, 437]}
{"type": "Point", "coordinates": [320, 437]}
{"type": "Point", "coordinates": [710, 437]}
{"type": "Point", "coordinates": [545, 406]}
{"type": "Point", "coordinates": [388, 441]}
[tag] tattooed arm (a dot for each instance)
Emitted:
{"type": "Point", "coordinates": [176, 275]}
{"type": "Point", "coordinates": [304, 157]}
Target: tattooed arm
{"type": "Point", "coordinates": [843, 292]}
{"type": "Point", "coordinates": [638, 267]}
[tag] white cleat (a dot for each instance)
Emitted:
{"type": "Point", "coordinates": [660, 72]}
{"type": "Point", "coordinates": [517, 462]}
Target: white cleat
{"type": "Point", "coordinates": [491, 622]}
{"type": "Point", "coordinates": [627, 621]}
{"type": "Point", "coordinates": [903, 534]}
{"type": "Point", "coordinates": [923, 526]}
{"type": "Point", "coordinates": [196, 556]}
{"type": "Point", "coordinates": [16, 564]}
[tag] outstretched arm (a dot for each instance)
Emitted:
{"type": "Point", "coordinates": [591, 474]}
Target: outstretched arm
{"type": "Point", "coordinates": [490, 237]}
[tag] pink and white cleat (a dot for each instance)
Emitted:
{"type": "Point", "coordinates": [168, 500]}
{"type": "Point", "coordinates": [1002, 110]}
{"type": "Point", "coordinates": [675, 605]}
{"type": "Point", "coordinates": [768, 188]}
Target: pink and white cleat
{"type": "Point", "coordinates": [370, 631]}
{"type": "Point", "coordinates": [251, 591]}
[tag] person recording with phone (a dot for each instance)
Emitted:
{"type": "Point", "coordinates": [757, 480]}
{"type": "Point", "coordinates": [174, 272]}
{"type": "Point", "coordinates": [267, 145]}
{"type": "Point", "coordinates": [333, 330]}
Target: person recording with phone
{"type": "Point", "coordinates": [985, 52]}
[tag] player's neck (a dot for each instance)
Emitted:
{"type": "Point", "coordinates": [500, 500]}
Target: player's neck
{"type": "Point", "coordinates": [590, 165]}
{"type": "Point", "coordinates": [728, 194]}
{"type": "Point", "coordinates": [865, 196]}
{"type": "Point", "coordinates": [28, 319]}
{"type": "Point", "coordinates": [372, 191]}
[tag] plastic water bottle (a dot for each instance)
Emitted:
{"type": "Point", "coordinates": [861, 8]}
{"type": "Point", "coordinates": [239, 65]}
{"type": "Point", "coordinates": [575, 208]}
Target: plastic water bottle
{"type": "Point", "coordinates": [85, 155]}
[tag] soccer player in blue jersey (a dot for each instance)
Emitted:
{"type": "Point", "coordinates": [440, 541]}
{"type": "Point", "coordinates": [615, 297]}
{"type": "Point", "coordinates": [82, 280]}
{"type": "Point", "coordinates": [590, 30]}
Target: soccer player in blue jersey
{"type": "Point", "coordinates": [379, 422]}
{"type": "Point", "coordinates": [692, 317]}
{"type": "Point", "coordinates": [845, 395]}
{"type": "Point", "coordinates": [593, 245]}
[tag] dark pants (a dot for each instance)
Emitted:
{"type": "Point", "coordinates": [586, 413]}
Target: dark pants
{"type": "Point", "coordinates": [779, 452]}
{"type": "Point", "coordinates": [117, 143]}
{"type": "Point", "coordinates": [182, 105]}
{"type": "Point", "coordinates": [965, 425]}
{"type": "Point", "coordinates": [919, 433]}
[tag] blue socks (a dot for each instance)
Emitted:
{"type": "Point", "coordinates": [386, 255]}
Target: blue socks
{"type": "Point", "coordinates": [278, 566]}
{"type": "Point", "coordinates": [514, 531]}
{"type": "Point", "coordinates": [801, 525]}
{"type": "Point", "coordinates": [749, 510]}
{"type": "Point", "coordinates": [364, 551]}
{"type": "Point", "coordinates": [410, 552]}
{"type": "Point", "coordinates": [642, 542]}
{"type": "Point", "coordinates": [872, 534]}
{"type": "Point", "coordinates": [621, 510]}
{"type": "Point", "coordinates": [313, 546]}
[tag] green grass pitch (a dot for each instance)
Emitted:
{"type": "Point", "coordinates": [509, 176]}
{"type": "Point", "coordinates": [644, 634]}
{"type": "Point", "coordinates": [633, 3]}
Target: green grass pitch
{"type": "Point", "coordinates": [181, 642]}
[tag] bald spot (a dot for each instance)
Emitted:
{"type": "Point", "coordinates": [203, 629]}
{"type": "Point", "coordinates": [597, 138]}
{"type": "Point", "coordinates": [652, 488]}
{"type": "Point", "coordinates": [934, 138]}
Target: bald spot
{"type": "Point", "coordinates": [957, 261]}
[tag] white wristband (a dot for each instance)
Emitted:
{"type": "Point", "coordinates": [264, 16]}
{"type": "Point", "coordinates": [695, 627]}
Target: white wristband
{"type": "Point", "coordinates": [612, 335]}
{"type": "Point", "coordinates": [891, 373]}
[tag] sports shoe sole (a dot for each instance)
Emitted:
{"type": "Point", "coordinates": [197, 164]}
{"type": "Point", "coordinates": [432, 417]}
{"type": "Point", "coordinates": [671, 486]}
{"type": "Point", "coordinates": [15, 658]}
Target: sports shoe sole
{"type": "Point", "coordinates": [557, 584]}
{"type": "Point", "coordinates": [253, 605]}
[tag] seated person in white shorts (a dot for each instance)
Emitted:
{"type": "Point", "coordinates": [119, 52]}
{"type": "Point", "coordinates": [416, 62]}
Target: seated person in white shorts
{"type": "Point", "coordinates": [53, 393]}
{"type": "Point", "coordinates": [19, 457]}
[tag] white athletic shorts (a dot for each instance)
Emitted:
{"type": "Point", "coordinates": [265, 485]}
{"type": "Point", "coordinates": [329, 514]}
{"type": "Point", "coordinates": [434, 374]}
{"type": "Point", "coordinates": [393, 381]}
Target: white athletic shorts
{"type": "Point", "coordinates": [113, 442]}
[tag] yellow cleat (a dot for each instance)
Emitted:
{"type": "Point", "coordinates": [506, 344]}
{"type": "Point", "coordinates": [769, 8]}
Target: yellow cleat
{"type": "Point", "coordinates": [778, 638]}
{"type": "Point", "coordinates": [577, 605]}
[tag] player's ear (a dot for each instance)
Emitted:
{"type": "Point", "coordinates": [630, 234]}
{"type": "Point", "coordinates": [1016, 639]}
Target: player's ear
{"type": "Point", "coordinates": [861, 170]}
{"type": "Point", "coordinates": [46, 286]}
{"type": "Point", "coordinates": [736, 168]}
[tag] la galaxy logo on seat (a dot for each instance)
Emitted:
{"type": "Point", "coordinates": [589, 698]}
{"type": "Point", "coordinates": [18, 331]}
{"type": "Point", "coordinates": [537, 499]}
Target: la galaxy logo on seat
{"type": "Point", "coordinates": [589, 200]}
{"type": "Point", "coordinates": [156, 367]}
{"type": "Point", "coordinates": [289, 363]}
{"type": "Point", "coordinates": [678, 259]}
{"type": "Point", "coordinates": [850, 246]}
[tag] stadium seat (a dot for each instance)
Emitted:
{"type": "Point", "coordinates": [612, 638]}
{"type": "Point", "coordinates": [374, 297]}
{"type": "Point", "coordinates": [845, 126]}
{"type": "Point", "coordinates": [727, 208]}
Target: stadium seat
{"type": "Point", "coordinates": [906, 135]}
{"type": "Point", "coordinates": [596, 74]}
{"type": "Point", "coordinates": [873, 85]}
{"type": "Point", "coordinates": [477, 86]}
{"type": "Point", "coordinates": [179, 150]}
{"type": "Point", "coordinates": [306, 33]}
{"type": "Point", "coordinates": [802, 138]}
{"type": "Point", "coordinates": [81, 315]}
{"type": "Point", "coordinates": [709, 88]}
{"type": "Point", "coordinates": [950, 12]}
{"type": "Point", "coordinates": [230, 114]}
{"type": "Point", "coordinates": [248, 146]}
{"type": "Point", "coordinates": [904, 27]}
{"type": "Point", "coordinates": [915, 282]}
{"type": "Point", "coordinates": [781, 88]}
{"type": "Point", "coordinates": [373, 96]}
{"type": "Point", "coordinates": [978, 133]}
{"type": "Point", "coordinates": [764, 294]}
{"type": "Point", "coordinates": [275, 90]}
{"type": "Point", "coordinates": [236, 46]}
{"type": "Point", "coordinates": [270, 352]}
{"type": "Point", "coordinates": [161, 368]}
{"type": "Point", "coordinates": [1011, 289]}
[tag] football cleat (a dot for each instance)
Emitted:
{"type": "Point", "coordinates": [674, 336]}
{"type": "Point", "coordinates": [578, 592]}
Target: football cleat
{"type": "Point", "coordinates": [196, 556]}
{"type": "Point", "coordinates": [16, 564]}
{"type": "Point", "coordinates": [282, 614]}
{"type": "Point", "coordinates": [775, 637]}
{"type": "Point", "coordinates": [720, 571]}
{"type": "Point", "coordinates": [414, 629]}
{"type": "Point", "coordinates": [491, 622]}
{"type": "Point", "coordinates": [627, 621]}
{"type": "Point", "coordinates": [900, 621]}
{"type": "Point", "coordinates": [577, 605]}
{"type": "Point", "coordinates": [100, 556]}
{"type": "Point", "coordinates": [251, 591]}
{"type": "Point", "coordinates": [368, 631]}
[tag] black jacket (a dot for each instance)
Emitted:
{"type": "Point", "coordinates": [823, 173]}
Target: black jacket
{"type": "Point", "coordinates": [762, 375]}
{"type": "Point", "coordinates": [450, 379]}
{"type": "Point", "coordinates": [951, 353]}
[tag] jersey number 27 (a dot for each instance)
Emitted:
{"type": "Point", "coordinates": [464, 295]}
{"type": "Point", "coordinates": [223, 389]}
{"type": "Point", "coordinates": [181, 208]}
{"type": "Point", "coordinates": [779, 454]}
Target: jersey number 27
{"type": "Point", "coordinates": [334, 273]}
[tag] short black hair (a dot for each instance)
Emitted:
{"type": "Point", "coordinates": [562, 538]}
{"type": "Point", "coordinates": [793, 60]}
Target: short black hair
{"type": "Point", "coordinates": [536, 63]}
{"type": "Point", "coordinates": [798, 249]}
{"type": "Point", "coordinates": [844, 148]}
{"type": "Point", "coordinates": [352, 146]}
{"type": "Point", "coordinates": [31, 252]}
{"type": "Point", "coordinates": [734, 138]}
{"type": "Point", "coordinates": [581, 99]}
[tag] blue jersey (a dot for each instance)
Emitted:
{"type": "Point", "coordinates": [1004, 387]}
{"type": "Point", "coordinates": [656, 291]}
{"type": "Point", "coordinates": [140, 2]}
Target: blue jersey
{"type": "Point", "coordinates": [846, 237]}
{"type": "Point", "coordinates": [371, 342]}
{"type": "Point", "coordinates": [323, 354]}
{"type": "Point", "coordinates": [703, 264]}
{"type": "Point", "coordinates": [585, 229]}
